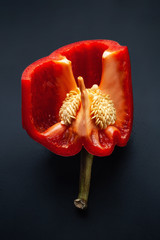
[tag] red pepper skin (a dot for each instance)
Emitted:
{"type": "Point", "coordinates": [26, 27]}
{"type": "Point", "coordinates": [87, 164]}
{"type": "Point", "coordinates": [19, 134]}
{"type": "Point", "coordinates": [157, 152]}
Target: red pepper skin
{"type": "Point", "coordinates": [44, 88]}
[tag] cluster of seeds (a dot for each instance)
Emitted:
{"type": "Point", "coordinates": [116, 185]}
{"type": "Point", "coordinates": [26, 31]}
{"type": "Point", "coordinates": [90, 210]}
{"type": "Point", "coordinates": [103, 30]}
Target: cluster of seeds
{"type": "Point", "coordinates": [70, 107]}
{"type": "Point", "coordinates": [102, 109]}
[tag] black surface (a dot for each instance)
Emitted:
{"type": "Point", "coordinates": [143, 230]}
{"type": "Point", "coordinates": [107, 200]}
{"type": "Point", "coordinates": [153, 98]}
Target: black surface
{"type": "Point", "coordinates": [37, 188]}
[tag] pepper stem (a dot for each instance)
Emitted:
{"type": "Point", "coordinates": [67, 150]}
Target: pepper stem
{"type": "Point", "coordinates": [85, 178]}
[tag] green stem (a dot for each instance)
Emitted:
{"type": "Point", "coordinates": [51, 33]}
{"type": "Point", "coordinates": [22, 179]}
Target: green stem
{"type": "Point", "coordinates": [85, 178]}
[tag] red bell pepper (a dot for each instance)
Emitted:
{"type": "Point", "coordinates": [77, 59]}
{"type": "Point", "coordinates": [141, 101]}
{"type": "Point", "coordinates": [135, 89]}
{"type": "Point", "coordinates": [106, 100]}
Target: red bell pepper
{"type": "Point", "coordinates": [80, 95]}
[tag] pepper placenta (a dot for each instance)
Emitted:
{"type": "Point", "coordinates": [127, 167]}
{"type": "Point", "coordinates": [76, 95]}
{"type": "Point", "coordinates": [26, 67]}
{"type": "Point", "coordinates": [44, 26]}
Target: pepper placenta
{"type": "Point", "coordinates": [80, 96]}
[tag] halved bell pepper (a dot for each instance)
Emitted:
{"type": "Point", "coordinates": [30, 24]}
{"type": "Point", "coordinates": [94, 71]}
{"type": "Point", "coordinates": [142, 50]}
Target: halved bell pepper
{"type": "Point", "coordinates": [79, 96]}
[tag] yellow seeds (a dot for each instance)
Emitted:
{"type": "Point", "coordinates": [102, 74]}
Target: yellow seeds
{"type": "Point", "coordinates": [70, 107]}
{"type": "Point", "coordinates": [102, 109]}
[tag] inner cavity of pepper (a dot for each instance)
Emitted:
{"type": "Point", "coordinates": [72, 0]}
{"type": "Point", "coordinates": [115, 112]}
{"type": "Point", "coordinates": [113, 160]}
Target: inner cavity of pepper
{"type": "Point", "coordinates": [99, 105]}
{"type": "Point", "coordinates": [60, 74]}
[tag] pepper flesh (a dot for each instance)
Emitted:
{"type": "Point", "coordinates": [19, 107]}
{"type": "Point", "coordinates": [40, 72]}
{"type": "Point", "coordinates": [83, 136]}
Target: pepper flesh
{"type": "Point", "coordinates": [46, 82]}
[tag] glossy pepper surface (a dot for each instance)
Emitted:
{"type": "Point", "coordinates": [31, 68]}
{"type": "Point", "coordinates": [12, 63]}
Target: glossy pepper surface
{"type": "Point", "coordinates": [80, 95]}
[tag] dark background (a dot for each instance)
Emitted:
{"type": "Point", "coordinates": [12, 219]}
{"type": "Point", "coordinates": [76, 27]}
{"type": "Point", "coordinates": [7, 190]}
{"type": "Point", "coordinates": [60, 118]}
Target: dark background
{"type": "Point", "coordinates": [37, 188]}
